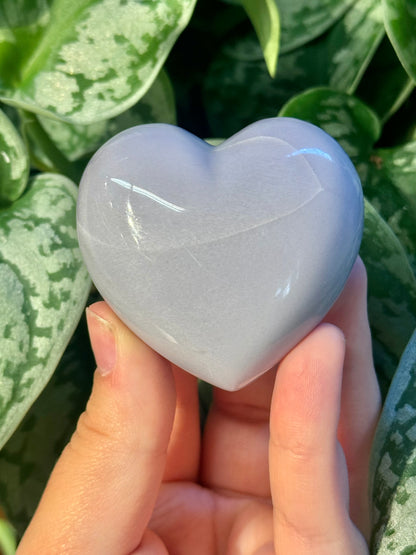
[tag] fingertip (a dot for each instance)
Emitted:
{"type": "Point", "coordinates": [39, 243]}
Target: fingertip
{"type": "Point", "coordinates": [309, 367]}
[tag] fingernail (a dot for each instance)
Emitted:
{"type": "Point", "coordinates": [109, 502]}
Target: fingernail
{"type": "Point", "coordinates": [103, 342]}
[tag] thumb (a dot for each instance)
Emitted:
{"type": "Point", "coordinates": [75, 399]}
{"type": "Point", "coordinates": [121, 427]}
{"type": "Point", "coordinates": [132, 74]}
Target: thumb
{"type": "Point", "coordinates": [101, 493]}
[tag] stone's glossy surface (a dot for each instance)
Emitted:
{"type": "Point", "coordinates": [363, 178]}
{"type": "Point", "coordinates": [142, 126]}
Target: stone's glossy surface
{"type": "Point", "coordinates": [221, 258]}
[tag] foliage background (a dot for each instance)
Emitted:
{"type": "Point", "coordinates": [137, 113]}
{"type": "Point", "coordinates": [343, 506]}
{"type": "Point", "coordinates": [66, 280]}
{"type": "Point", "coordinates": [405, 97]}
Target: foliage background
{"type": "Point", "coordinates": [74, 72]}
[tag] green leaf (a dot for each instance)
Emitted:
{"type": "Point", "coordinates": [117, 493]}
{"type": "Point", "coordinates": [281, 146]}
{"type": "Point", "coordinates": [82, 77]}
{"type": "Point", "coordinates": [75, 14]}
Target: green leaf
{"type": "Point", "coordinates": [14, 162]}
{"type": "Point", "coordinates": [75, 141]}
{"type": "Point", "coordinates": [389, 184]}
{"type": "Point", "coordinates": [344, 117]}
{"type": "Point", "coordinates": [7, 538]}
{"type": "Point", "coordinates": [238, 89]}
{"type": "Point", "coordinates": [27, 459]}
{"type": "Point", "coordinates": [400, 22]}
{"type": "Point", "coordinates": [264, 15]}
{"type": "Point", "coordinates": [42, 149]}
{"type": "Point", "coordinates": [303, 20]}
{"type": "Point", "coordinates": [391, 294]}
{"type": "Point", "coordinates": [44, 286]}
{"type": "Point", "coordinates": [95, 58]}
{"type": "Point", "coordinates": [22, 23]}
{"type": "Point", "coordinates": [352, 43]}
{"type": "Point", "coordinates": [393, 463]}
{"type": "Point", "coordinates": [385, 84]}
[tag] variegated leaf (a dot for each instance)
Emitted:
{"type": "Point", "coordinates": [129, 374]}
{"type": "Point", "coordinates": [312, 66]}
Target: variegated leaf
{"type": "Point", "coordinates": [75, 141]}
{"type": "Point", "coordinates": [95, 58]}
{"type": "Point", "coordinates": [238, 87]}
{"type": "Point", "coordinates": [352, 43]}
{"type": "Point", "coordinates": [344, 117]}
{"type": "Point", "coordinates": [390, 185]}
{"type": "Point", "coordinates": [28, 457]}
{"type": "Point", "coordinates": [239, 90]}
{"type": "Point", "coordinates": [14, 162]}
{"type": "Point", "coordinates": [400, 22]}
{"type": "Point", "coordinates": [304, 20]}
{"type": "Point", "coordinates": [391, 294]}
{"type": "Point", "coordinates": [393, 464]}
{"type": "Point", "coordinates": [44, 285]}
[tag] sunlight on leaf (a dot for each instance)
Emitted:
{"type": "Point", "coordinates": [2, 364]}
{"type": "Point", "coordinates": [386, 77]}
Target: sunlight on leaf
{"type": "Point", "coordinates": [96, 58]}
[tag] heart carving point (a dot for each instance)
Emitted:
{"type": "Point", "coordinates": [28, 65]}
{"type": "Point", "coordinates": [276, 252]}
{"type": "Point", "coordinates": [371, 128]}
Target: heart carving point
{"type": "Point", "coordinates": [221, 258]}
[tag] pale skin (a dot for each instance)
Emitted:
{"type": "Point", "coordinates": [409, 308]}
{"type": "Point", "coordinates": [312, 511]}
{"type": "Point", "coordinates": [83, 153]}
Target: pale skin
{"type": "Point", "coordinates": [281, 468]}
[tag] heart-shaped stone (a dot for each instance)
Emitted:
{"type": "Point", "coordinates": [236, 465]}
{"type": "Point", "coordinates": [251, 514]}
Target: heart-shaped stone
{"type": "Point", "coordinates": [221, 258]}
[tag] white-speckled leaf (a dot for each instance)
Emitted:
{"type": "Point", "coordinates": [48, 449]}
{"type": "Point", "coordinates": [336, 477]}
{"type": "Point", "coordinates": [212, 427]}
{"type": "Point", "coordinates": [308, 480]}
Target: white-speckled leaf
{"type": "Point", "coordinates": [390, 185]}
{"type": "Point", "coordinates": [353, 42]}
{"type": "Point", "coordinates": [14, 162]}
{"type": "Point", "coordinates": [400, 22]}
{"type": "Point", "coordinates": [96, 58]}
{"type": "Point", "coordinates": [27, 459]}
{"type": "Point", "coordinates": [391, 293]}
{"type": "Point", "coordinates": [264, 15]}
{"type": "Point", "coordinates": [238, 87]}
{"type": "Point", "coordinates": [304, 20]}
{"type": "Point", "coordinates": [75, 141]}
{"type": "Point", "coordinates": [348, 120]}
{"type": "Point", "coordinates": [44, 285]}
{"type": "Point", "coordinates": [393, 464]}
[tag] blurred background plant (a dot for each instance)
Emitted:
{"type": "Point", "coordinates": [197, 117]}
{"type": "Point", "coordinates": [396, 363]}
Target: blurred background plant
{"type": "Point", "coordinates": [75, 72]}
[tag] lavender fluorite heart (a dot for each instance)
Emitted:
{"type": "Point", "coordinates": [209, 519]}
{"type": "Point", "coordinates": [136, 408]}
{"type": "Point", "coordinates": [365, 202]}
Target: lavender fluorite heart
{"type": "Point", "coordinates": [221, 258]}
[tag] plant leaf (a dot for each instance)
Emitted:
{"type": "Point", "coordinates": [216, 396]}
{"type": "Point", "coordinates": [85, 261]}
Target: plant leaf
{"type": "Point", "coordinates": [96, 58]}
{"type": "Point", "coordinates": [22, 23]}
{"type": "Point", "coordinates": [352, 43]}
{"type": "Point", "coordinates": [348, 120]}
{"type": "Point", "coordinates": [391, 294]}
{"type": "Point", "coordinates": [7, 538]}
{"type": "Point", "coordinates": [302, 20]}
{"type": "Point", "coordinates": [75, 141]}
{"type": "Point", "coordinates": [27, 459]}
{"type": "Point", "coordinates": [238, 89]}
{"type": "Point", "coordinates": [385, 84]}
{"type": "Point", "coordinates": [389, 184]}
{"type": "Point", "coordinates": [400, 22]}
{"type": "Point", "coordinates": [264, 15]}
{"type": "Point", "coordinates": [14, 162]}
{"type": "Point", "coordinates": [44, 288]}
{"type": "Point", "coordinates": [393, 463]}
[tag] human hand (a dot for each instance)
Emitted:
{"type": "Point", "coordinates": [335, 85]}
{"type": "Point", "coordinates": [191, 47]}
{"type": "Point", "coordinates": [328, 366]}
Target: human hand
{"type": "Point", "coordinates": [282, 466]}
